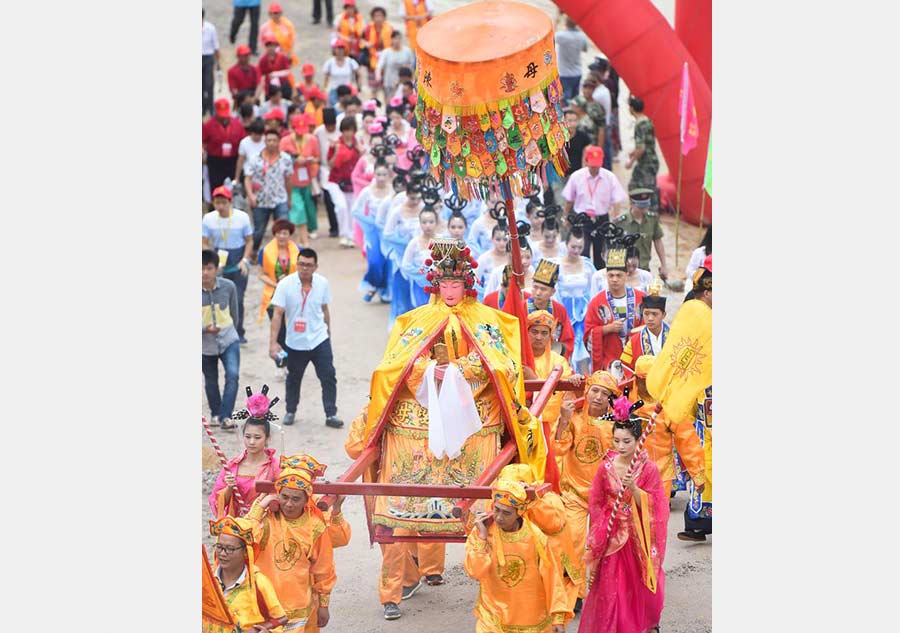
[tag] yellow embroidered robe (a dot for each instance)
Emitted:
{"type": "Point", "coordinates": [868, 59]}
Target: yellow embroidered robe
{"type": "Point", "coordinates": [520, 578]}
{"type": "Point", "coordinates": [296, 554]}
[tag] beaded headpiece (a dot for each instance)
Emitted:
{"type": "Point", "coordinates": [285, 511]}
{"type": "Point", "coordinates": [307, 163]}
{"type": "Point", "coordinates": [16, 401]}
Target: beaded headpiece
{"type": "Point", "coordinates": [450, 259]}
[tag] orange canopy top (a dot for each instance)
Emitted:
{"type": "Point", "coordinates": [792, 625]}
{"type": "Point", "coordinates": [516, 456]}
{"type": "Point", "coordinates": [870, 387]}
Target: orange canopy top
{"type": "Point", "coordinates": [491, 50]}
{"type": "Point", "coordinates": [489, 100]}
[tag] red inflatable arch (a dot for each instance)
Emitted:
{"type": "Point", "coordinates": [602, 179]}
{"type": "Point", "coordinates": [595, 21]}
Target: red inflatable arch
{"type": "Point", "coordinates": [693, 24]}
{"type": "Point", "coordinates": [649, 55]}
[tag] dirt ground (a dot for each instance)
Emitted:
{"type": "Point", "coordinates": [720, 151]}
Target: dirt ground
{"type": "Point", "coordinates": [359, 336]}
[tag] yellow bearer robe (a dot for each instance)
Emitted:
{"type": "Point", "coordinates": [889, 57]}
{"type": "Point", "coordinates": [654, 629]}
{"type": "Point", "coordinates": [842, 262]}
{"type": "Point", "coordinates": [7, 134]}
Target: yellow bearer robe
{"type": "Point", "coordinates": [521, 589]}
{"type": "Point", "coordinates": [297, 556]}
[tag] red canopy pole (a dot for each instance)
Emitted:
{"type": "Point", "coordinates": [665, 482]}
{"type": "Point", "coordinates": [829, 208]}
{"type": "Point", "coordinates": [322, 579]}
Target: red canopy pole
{"type": "Point", "coordinates": [515, 301]}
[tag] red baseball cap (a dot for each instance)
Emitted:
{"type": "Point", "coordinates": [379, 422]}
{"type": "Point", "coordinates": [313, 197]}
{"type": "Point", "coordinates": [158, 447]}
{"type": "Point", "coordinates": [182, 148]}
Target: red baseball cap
{"type": "Point", "coordinates": [308, 70]}
{"type": "Point", "coordinates": [349, 3]}
{"type": "Point", "coordinates": [338, 43]}
{"type": "Point", "coordinates": [274, 113]}
{"type": "Point", "coordinates": [298, 122]}
{"type": "Point", "coordinates": [243, 49]}
{"type": "Point", "coordinates": [593, 156]}
{"type": "Point", "coordinates": [707, 262]}
{"type": "Point", "coordinates": [274, 8]}
{"type": "Point", "coordinates": [223, 191]}
{"type": "Point", "coordinates": [223, 106]}
{"type": "Point", "coordinates": [316, 93]}
{"type": "Point", "coordinates": [268, 38]}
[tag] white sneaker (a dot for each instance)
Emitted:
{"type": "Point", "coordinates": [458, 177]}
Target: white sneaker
{"type": "Point", "coordinates": [214, 420]}
{"type": "Point", "coordinates": [313, 236]}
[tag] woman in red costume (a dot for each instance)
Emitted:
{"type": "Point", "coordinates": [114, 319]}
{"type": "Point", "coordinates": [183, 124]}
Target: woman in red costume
{"type": "Point", "coordinates": [625, 564]}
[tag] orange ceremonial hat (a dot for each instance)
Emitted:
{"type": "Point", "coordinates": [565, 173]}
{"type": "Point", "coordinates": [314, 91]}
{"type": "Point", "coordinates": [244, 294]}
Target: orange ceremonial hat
{"type": "Point", "coordinates": [234, 526]}
{"type": "Point", "coordinates": [542, 317]}
{"type": "Point", "coordinates": [605, 380]}
{"type": "Point", "coordinates": [294, 479]}
{"type": "Point", "coordinates": [510, 493]}
{"type": "Point", "coordinates": [643, 365]}
{"type": "Point", "coordinates": [303, 462]}
{"type": "Point", "coordinates": [517, 472]}
{"type": "Point", "coordinates": [489, 104]}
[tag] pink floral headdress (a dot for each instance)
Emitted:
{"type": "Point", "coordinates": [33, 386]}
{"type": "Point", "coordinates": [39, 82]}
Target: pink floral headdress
{"type": "Point", "coordinates": [258, 406]}
{"type": "Point", "coordinates": [621, 408]}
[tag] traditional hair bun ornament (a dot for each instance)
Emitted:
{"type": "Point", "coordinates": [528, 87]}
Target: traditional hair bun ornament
{"type": "Point", "coordinates": [258, 406]}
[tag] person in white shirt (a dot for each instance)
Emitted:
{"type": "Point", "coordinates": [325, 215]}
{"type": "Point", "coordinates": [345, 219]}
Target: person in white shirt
{"type": "Point", "coordinates": [210, 63]}
{"type": "Point", "coordinates": [339, 70]}
{"type": "Point", "coordinates": [699, 254]}
{"type": "Point", "coordinates": [390, 60]}
{"type": "Point", "coordinates": [327, 134]}
{"type": "Point", "coordinates": [601, 94]}
{"type": "Point", "coordinates": [570, 44]}
{"type": "Point", "coordinates": [250, 146]}
{"type": "Point", "coordinates": [301, 303]}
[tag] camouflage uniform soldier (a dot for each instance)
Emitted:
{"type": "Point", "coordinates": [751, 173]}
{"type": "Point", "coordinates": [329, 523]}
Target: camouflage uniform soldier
{"type": "Point", "coordinates": [640, 220]}
{"type": "Point", "coordinates": [594, 123]}
{"type": "Point", "coordinates": [643, 157]}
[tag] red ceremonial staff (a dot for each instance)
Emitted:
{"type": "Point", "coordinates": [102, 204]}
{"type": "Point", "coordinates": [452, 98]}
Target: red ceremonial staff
{"type": "Point", "coordinates": [222, 460]}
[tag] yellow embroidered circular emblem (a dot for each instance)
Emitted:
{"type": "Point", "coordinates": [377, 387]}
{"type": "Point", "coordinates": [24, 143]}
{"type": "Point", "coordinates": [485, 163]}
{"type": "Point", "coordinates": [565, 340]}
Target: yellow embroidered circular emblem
{"type": "Point", "coordinates": [287, 553]}
{"type": "Point", "coordinates": [587, 451]}
{"type": "Point", "coordinates": [687, 358]}
{"type": "Point", "coordinates": [513, 572]}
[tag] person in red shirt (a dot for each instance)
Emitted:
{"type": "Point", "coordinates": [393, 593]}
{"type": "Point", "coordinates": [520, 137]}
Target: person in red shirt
{"type": "Point", "coordinates": [243, 75]}
{"type": "Point", "coordinates": [221, 135]}
{"type": "Point", "coordinates": [309, 72]}
{"type": "Point", "coordinates": [275, 68]}
{"type": "Point", "coordinates": [612, 314]}
{"type": "Point", "coordinates": [304, 148]}
{"type": "Point", "coordinates": [342, 157]}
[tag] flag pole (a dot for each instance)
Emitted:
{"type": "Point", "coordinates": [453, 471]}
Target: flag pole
{"type": "Point", "coordinates": [678, 206]}
{"type": "Point", "coordinates": [702, 205]}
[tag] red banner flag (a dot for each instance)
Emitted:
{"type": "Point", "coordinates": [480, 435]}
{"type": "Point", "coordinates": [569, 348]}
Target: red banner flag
{"type": "Point", "coordinates": [690, 128]}
{"type": "Point", "coordinates": [515, 305]}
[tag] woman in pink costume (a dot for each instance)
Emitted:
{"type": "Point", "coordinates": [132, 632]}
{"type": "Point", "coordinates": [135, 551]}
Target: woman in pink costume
{"type": "Point", "coordinates": [628, 583]}
{"type": "Point", "coordinates": [257, 462]}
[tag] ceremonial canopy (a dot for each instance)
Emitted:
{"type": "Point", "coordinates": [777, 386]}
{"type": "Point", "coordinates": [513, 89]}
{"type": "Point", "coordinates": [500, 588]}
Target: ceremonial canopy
{"type": "Point", "coordinates": [489, 104]}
